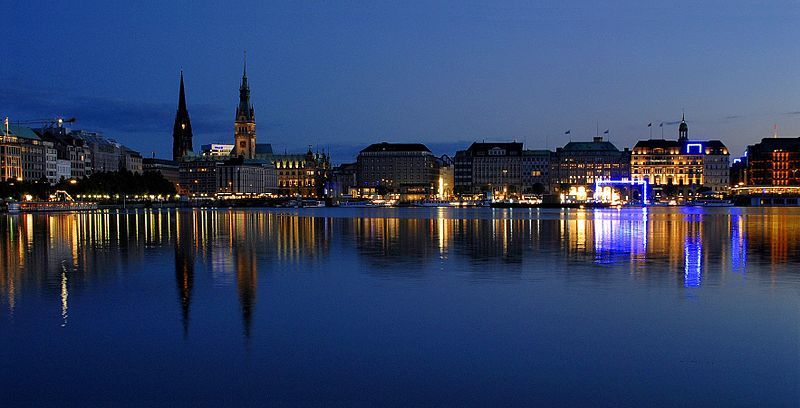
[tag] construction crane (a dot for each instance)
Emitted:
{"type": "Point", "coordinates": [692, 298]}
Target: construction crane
{"type": "Point", "coordinates": [46, 123]}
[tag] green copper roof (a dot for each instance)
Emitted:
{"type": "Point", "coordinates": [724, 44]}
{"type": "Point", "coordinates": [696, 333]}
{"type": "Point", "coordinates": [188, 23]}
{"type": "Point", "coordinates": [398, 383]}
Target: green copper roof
{"type": "Point", "coordinates": [23, 132]}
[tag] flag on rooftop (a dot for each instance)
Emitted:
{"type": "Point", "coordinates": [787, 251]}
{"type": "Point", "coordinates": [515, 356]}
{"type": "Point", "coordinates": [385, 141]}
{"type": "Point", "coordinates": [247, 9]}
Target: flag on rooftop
{"type": "Point", "coordinates": [568, 132]}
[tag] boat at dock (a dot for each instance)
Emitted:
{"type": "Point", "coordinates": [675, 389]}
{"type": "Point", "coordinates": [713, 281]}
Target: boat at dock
{"type": "Point", "coordinates": [59, 201]}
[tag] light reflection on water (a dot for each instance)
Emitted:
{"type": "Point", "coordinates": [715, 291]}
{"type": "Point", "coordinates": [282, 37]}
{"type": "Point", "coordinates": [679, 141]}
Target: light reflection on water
{"type": "Point", "coordinates": [293, 283]}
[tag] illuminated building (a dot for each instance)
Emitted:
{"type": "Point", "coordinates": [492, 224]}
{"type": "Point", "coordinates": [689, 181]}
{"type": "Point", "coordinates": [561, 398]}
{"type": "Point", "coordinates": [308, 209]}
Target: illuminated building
{"type": "Point", "coordinates": [683, 166]}
{"type": "Point", "coordinates": [182, 129]}
{"type": "Point", "coordinates": [406, 168]}
{"type": "Point", "coordinates": [245, 124]}
{"type": "Point", "coordinates": [618, 192]}
{"type": "Point", "coordinates": [446, 180]}
{"type": "Point", "coordinates": [216, 150]}
{"type": "Point", "coordinates": [580, 164]}
{"type": "Point", "coordinates": [494, 167]}
{"type": "Point", "coordinates": [301, 175]}
{"type": "Point", "coordinates": [772, 162]}
{"type": "Point", "coordinates": [503, 168]}
{"type": "Point", "coordinates": [201, 177]}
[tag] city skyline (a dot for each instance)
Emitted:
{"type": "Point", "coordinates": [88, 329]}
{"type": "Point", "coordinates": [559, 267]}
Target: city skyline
{"type": "Point", "coordinates": [341, 77]}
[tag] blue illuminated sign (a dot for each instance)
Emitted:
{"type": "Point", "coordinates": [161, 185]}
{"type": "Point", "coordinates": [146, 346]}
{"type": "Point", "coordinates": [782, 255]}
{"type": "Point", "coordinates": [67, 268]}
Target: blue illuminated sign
{"type": "Point", "coordinates": [691, 146]}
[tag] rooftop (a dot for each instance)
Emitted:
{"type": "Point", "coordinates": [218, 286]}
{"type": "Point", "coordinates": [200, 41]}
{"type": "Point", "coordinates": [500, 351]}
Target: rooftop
{"type": "Point", "coordinates": [23, 132]}
{"type": "Point", "coordinates": [395, 147]}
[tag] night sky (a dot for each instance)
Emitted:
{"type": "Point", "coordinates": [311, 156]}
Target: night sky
{"type": "Point", "coordinates": [342, 74]}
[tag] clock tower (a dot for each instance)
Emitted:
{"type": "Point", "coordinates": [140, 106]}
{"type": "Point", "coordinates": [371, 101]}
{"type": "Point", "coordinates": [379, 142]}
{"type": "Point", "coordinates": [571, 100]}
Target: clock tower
{"type": "Point", "coordinates": [245, 123]}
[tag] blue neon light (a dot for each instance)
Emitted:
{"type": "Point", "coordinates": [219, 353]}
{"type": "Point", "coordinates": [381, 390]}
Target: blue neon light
{"type": "Point", "coordinates": [699, 147]}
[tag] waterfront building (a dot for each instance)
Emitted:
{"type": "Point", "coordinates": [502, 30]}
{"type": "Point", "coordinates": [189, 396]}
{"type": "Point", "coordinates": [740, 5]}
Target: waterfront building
{"type": "Point", "coordinates": [445, 187]}
{"type": "Point", "coordinates": [10, 157]}
{"type": "Point", "coordinates": [503, 168]}
{"type": "Point", "coordinates": [198, 177]}
{"type": "Point", "coordinates": [682, 167]}
{"type": "Point", "coordinates": [536, 171]}
{"type": "Point", "coordinates": [342, 181]}
{"type": "Point", "coordinates": [71, 148]}
{"type": "Point", "coordinates": [203, 177]}
{"type": "Point", "coordinates": [771, 162]}
{"type": "Point", "coordinates": [167, 168]}
{"type": "Point", "coordinates": [493, 166]}
{"type": "Point", "coordinates": [182, 129]}
{"type": "Point", "coordinates": [409, 169]}
{"type": "Point", "coordinates": [24, 155]}
{"type": "Point", "coordinates": [300, 175]}
{"type": "Point", "coordinates": [496, 167]}
{"type": "Point", "coordinates": [33, 154]}
{"type": "Point", "coordinates": [462, 172]}
{"type": "Point", "coordinates": [578, 165]}
{"type": "Point", "coordinates": [252, 177]}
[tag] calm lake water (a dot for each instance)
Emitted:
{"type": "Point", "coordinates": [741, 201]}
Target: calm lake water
{"type": "Point", "coordinates": [402, 307]}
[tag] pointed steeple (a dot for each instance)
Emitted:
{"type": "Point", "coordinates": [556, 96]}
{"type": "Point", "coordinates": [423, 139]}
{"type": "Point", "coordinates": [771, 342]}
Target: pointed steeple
{"type": "Point", "coordinates": [182, 98]}
{"type": "Point", "coordinates": [182, 130]}
{"type": "Point", "coordinates": [245, 111]}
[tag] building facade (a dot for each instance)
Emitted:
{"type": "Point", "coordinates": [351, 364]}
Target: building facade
{"type": "Point", "coordinates": [300, 175]}
{"type": "Point", "coordinates": [772, 162]}
{"type": "Point", "coordinates": [682, 167]}
{"type": "Point", "coordinates": [71, 148]}
{"type": "Point", "coordinates": [253, 177]}
{"type": "Point", "coordinates": [489, 167]}
{"type": "Point", "coordinates": [581, 164]}
{"type": "Point", "coordinates": [405, 168]}
{"type": "Point", "coordinates": [536, 171]}
{"type": "Point", "coordinates": [167, 168]}
{"type": "Point", "coordinates": [24, 156]}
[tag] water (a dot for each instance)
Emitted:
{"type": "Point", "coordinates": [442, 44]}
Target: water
{"type": "Point", "coordinates": [402, 307]}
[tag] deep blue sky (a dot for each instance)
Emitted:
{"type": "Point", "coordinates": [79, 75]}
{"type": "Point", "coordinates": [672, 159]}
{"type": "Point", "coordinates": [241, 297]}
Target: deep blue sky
{"type": "Point", "coordinates": [343, 74]}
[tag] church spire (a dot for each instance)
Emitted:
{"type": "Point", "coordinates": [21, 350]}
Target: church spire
{"type": "Point", "coordinates": [245, 124]}
{"type": "Point", "coordinates": [245, 111]}
{"type": "Point", "coordinates": [182, 130]}
{"type": "Point", "coordinates": [182, 97]}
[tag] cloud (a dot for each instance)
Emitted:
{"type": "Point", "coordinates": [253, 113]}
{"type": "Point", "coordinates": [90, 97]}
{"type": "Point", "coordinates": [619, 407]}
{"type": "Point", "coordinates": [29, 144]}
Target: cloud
{"type": "Point", "coordinates": [672, 123]}
{"type": "Point", "coordinates": [792, 113]}
{"type": "Point", "coordinates": [734, 117]}
{"type": "Point", "coordinates": [110, 114]}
